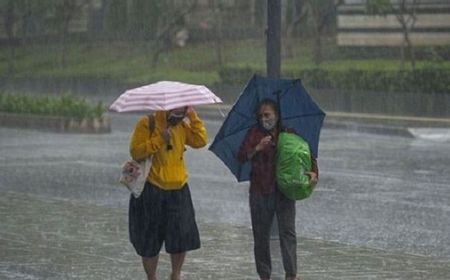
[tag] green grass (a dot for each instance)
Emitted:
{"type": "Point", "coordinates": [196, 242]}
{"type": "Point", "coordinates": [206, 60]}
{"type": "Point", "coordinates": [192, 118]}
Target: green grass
{"type": "Point", "coordinates": [197, 63]}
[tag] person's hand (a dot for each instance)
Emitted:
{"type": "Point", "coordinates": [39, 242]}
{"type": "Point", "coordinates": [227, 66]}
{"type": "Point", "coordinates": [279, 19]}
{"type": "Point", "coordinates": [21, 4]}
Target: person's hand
{"type": "Point", "coordinates": [190, 112]}
{"type": "Point", "coordinates": [165, 133]}
{"type": "Point", "coordinates": [263, 143]}
{"type": "Point", "coordinates": [312, 178]}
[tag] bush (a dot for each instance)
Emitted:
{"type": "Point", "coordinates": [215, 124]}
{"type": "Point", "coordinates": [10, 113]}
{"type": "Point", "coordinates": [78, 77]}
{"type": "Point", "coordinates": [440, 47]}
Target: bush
{"type": "Point", "coordinates": [421, 53]}
{"type": "Point", "coordinates": [65, 106]}
{"type": "Point", "coordinates": [432, 78]}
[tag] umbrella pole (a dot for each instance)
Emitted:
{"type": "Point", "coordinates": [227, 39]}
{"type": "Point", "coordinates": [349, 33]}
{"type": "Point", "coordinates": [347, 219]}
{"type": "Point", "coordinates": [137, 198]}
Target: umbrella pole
{"type": "Point", "coordinates": [273, 59]}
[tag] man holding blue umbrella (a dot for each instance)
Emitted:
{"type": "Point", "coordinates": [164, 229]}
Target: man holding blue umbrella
{"type": "Point", "coordinates": [246, 143]}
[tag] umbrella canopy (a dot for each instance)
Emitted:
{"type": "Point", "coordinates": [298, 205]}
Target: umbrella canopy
{"type": "Point", "coordinates": [297, 111]}
{"type": "Point", "coordinates": [163, 96]}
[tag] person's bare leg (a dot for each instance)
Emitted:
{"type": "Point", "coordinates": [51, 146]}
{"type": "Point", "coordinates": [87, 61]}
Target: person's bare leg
{"type": "Point", "coordinates": [177, 262]}
{"type": "Point", "coordinates": [150, 265]}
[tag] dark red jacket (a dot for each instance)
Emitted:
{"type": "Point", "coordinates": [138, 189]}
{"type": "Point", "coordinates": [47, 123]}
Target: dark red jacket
{"type": "Point", "coordinates": [262, 176]}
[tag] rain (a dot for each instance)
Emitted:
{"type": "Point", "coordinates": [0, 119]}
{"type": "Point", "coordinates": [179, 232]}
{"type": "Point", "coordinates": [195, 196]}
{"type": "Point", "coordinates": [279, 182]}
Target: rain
{"type": "Point", "coordinates": [379, 69]}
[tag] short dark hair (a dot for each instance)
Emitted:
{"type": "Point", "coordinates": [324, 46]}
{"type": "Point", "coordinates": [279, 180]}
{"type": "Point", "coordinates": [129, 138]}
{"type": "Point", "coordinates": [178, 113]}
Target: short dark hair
{"type": "Point", "coordinates": [267, 102]}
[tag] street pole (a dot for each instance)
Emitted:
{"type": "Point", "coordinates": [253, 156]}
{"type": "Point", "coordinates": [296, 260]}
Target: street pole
{"type": "Point", "coordinates": [273, 44]}
{"type": "Point", "coordinates": [273, 60]}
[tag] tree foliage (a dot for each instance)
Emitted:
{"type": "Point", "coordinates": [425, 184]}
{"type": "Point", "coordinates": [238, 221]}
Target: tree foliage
{"type": "Point", "coordinates": [378, 7]}
{"type": "Point", "coordinates": [322, 13]}
{"type": "Point", "coordinates": [405, 12]}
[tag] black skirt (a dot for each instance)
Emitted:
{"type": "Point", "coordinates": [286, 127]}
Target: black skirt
{"type": "Point", "coordinates": [158, 216]}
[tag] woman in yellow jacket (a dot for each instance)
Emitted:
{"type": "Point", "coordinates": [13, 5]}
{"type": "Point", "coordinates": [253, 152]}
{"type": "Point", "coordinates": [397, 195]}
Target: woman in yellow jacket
{"type": "Point", "coordinates": [164, 213]}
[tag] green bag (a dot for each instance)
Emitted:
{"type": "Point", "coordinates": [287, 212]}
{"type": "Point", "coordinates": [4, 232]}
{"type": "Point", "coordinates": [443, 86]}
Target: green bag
{"type": "Point", "coordinates": [293, 159]}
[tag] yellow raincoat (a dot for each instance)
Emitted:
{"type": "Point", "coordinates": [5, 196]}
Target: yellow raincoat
{"type": "Point", "coordinates": [168, 170]}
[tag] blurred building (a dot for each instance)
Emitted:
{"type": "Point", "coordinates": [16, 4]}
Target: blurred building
{"type": "Point", "coordinates": [355, 27]}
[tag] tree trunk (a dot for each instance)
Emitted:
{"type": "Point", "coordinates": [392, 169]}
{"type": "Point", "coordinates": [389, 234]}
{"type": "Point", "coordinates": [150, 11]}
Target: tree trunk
{"type": "Point", "coordinates": [273, 50]}
{"type": "Point", "coordinates": [252, 11]}
{"type": "Point", "coordinates": [402, 21]}
{"type": "Point", "coordinates": [64, 31]}
{"type": "Point", "coordinates": [402, 54]}
{"type": "Point", "coordinates": [317, 47]}
{"type": "Point", "coordinates": [410, 49]}
{"type": "Point", "coordinates": [69, 10]}
{"type": "Point", "coordinates": [260, 13]}
{"type": "Point", "coordinates": [218, 28]}
{"type": "Point", "coordinates": [9, 22]}
{"type": "Point", "coordinates": [165, 28]}
{"type": "Point", "coordinates": [297, 17]}
{"type": "Point", "coordinates": [407, 18]}
{"type": "Point", "coordinates": [413, 18]}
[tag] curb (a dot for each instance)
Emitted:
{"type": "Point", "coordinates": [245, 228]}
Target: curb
{"type": "Point", "coordinates": [367, 128]}
{"type": "Point", "coordinates": [362, 122]}
{"type": "Point", "coordinates": [55, 124]}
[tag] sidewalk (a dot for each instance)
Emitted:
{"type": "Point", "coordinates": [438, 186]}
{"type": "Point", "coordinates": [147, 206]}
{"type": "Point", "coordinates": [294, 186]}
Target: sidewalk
{"type": "Point", "coordinates": [58, 240]}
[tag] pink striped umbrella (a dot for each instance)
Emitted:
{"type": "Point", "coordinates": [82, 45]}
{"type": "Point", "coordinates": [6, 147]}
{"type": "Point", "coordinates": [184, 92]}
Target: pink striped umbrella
{"type": "Point", "coordinates": [163, 96]}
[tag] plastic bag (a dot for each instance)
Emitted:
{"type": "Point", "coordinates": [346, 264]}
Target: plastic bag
{"type": "Point", "coordinates": [293, 160]}
{"type": "Point", "coordinates": [134, 175]}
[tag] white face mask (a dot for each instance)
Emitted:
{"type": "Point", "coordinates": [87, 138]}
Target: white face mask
{"type": "Point", "coordinates": [175, 118]}
{"type": "Point", "coordinates": [268, 124]}
{"type": "Point", "coordinates": [176, 115]}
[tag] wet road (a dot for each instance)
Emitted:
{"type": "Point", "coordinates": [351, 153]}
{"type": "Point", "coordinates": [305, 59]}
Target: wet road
{"type": "Point", "coordinates": [54, 239]}
{"type": "Point", "coordinates": [375, 191]}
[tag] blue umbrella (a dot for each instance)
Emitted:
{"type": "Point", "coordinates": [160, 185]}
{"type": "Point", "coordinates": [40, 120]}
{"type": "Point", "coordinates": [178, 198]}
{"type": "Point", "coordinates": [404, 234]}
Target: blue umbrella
{"type": "Point", "coordinates": [297, 110]}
